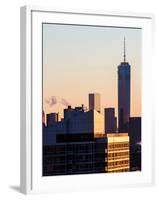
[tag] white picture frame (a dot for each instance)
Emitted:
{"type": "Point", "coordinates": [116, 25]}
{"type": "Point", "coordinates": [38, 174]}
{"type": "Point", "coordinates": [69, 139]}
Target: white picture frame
{"type": "Point", "coordinates": [31, 100]}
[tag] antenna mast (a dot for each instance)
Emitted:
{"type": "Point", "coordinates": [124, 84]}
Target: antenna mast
{"type": "Point", "coordinates": [124, 51]}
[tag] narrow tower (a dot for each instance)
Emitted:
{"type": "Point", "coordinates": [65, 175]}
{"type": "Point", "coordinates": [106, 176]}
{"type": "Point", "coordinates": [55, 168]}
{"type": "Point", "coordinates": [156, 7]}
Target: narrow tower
{"type": "Point", "coordinates": [124, 85]}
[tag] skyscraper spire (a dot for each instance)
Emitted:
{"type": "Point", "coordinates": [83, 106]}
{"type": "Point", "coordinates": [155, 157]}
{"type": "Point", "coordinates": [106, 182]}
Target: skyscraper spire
{"type": "Point", "coordinates": [124, 51]}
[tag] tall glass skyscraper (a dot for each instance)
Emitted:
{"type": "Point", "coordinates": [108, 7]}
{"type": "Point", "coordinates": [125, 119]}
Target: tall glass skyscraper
{"type": "Point", "coordinates": [124, 85]}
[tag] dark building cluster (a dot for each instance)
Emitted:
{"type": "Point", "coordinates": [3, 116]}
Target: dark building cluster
{"type": "Point", "coordinates": [87, 141]}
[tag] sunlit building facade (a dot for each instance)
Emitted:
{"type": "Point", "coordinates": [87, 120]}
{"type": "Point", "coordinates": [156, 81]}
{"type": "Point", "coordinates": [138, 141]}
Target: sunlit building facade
{"type": "Point", "coordinates": [118, 158]}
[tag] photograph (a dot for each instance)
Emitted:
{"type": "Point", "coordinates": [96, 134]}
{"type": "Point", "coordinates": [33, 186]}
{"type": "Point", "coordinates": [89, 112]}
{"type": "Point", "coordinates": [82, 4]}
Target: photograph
{"type": "Point", "coordinates": [91, 99]}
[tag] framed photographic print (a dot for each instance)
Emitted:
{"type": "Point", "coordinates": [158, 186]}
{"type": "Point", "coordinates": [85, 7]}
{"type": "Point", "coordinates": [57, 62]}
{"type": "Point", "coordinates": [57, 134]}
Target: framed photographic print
{"type": "Point", "coordinates": [86, 100]}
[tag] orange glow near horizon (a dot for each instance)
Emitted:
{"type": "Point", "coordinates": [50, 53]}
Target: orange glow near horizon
{"type": "Point", "coordinates": [82, 60]}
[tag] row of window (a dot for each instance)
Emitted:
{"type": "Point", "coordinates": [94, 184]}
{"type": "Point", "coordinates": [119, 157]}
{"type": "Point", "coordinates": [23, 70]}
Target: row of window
{"type": "Point", "coordinates": [73, 158]}
{"type": "Point", "coordinates": [65, 148]}
{"type": "Point", "coordinates": [118, 145]}
{"type": "Point", "coordinates": [118, 163]}
{"type": "Point", "coordinates": [68, 167]}
{"type": "Point", "coordinates": [120, 170]}
{"type": "Point", "coordinates": [82, 148]}
{"type": "Point", "coordinates": [118, 154]}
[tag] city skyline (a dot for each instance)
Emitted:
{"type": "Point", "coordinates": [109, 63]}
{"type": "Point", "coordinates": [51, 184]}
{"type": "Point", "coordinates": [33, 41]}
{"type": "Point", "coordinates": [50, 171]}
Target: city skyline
{"type": "Point", "coordinates": [89, 71]}
{"type": "Point", "coordinates": [91, 97]}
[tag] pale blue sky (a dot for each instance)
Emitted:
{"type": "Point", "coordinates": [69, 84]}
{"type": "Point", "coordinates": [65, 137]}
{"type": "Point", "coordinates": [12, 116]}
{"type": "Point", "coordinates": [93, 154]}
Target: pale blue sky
{"type": "Point", "coordinates": [78, 60]}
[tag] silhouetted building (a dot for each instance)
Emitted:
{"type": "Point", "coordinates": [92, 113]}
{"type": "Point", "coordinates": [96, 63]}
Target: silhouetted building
{"type": "Point", "coordinates": [69, 146]}
{"type": "Point", "coordinates": [135, 130]}
{"type": "Point", "coordinates": [78, 144]}
{"type": "Point", "coordinates": [86, 153]}
{"type": "Point", "coordinates": [70, 112]}
{"type": "Point", "coordinates": [76, 121]}
{"type": "Point", "coordinates": [110, 120]}
{"type": "Point", "coordinates": [52, 118]}
{"type": "Point", "coordinates": [50, 132]}
{"type": "Point", "coordinates": [124, 86]}
{"type": "Point", "coordinates": [135, 143]}
{"type": "Point", "coordinates": [94, 102]}
{"type": "Point", "coordinates": [135, 157]}
{"type": "Point", "coordinates": [75, 154]}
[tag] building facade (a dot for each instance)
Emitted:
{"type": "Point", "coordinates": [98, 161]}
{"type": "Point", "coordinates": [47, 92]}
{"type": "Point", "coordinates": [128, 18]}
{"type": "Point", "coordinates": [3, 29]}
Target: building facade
{"type": "Point", "coordinates": [118, 159]}
{"type": "Point", "coordinates": [86, 153]}
{"type": "Point", "coordinates": [74, 154]}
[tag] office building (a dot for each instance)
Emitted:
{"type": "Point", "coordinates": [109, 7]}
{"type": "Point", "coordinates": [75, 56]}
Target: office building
{"type": "Point", "coordinates": [124, 85]}
{"type": "Point", "coordinates": [86, 153]}
{"type": "Point", "coordinates": [110, 121]}
{"type": "Point", "coordinates": [94, 102]}
{"type": "Point", "coordinates": [72, 154]}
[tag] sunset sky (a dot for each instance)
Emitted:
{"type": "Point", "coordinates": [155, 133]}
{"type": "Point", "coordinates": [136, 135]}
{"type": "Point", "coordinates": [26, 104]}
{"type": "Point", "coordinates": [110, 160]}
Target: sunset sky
{"type": "Point", "coordinates": [78, 60]}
